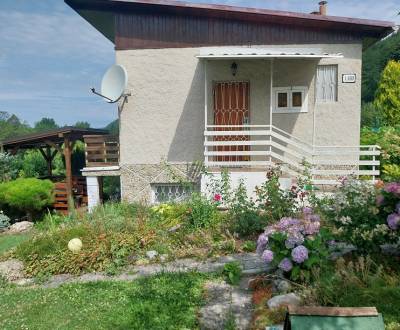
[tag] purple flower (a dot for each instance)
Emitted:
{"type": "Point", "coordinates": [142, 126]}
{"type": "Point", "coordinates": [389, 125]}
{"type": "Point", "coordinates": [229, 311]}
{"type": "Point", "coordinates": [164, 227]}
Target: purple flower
{"type": "Point", "coordinates": [311, 228]}
{"type": "Point", "coordinates": [300, 254]}
{"type": "Point", "coordinates": [393, 221]}
{"type": "Point", "coordinates": [262, 240]}
{"type": "Point", "coordinates": [307, 210]}
{"type": "Point", "coordinates": [380, 200]}
{"type": "Point", "coordinates": [262, 243]}
{"type": "Point", "coordinates": [393, 187]}
{"type": "Point", "coordinates": [398, 207]}
{"type": "Point", "coordinates": [286, 265]}
{"type": "Point", "coordinates": [294, 239]}
{"type": "Point", "coordinates": [267, 256]}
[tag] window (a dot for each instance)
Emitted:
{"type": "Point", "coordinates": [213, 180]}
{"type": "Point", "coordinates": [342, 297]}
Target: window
{"type": "Point", "coordinates": [171, 192]}
{"type": "Point", "coordinates": [290, 99]}
{"type": "Point", "coordinates": [327, 81]}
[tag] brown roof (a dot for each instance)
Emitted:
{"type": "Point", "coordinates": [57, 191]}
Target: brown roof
{"type": "Point", "coordinates": [369, 28]}
{"type": "Point", "coordinates": [56, 136]}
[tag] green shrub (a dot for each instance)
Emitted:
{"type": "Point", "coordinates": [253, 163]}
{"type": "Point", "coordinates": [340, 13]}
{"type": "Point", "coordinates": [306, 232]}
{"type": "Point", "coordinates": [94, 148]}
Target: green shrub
{"type": "Point", "coordinates": [355, 216]}
{"type": "Point", "coordinates": [9, 167]}
{"type": "Point", "coordinates": [201, 212]}
{"type": "Point", "coordinates": [249, 246]}
{"type": "Point", "coordinates": [274, 202]}
{"type": "Point", "coordinates": [28, 195]}
{"type": "Point", "coordinates": [232, 272]}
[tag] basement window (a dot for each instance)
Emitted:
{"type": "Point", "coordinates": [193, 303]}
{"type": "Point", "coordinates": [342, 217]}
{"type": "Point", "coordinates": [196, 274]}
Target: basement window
{"type": "Point", "coordinates": [171, 192]}
{"type": "Point", "coordinates": [290, 99]}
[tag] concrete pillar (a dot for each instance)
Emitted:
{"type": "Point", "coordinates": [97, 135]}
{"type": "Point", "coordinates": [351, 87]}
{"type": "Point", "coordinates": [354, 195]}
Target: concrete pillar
{"type": "Point", "coordinates": [93, 191]}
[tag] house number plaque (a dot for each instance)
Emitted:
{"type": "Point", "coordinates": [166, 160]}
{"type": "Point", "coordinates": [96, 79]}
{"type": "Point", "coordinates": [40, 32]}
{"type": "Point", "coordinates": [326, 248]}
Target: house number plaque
{"type": "Point", "coordinates": [349, 78]}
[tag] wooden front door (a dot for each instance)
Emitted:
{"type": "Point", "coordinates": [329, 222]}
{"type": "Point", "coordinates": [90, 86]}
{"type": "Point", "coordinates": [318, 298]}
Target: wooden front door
{"type": "Point", "coordinates": [231, 108]}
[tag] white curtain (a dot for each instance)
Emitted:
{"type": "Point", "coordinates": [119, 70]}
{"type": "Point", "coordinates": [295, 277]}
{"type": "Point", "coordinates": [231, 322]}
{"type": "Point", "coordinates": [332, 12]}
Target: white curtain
{"type": "Point", "coordinates": [327, 83]}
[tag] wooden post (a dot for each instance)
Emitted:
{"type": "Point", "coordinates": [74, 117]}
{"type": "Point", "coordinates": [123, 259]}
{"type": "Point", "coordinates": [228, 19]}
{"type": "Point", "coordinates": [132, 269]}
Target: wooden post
{"type": "Point", "coordinates": [68, 170]}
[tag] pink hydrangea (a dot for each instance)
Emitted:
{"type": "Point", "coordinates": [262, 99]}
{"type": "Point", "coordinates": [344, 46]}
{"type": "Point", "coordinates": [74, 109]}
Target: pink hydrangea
{"type": "Point", "coordinates": [267, 256]}
{"type": "Point", "coordinates": [299, 254]}
{"type": "Point", "coordinates": [393, 187]}
{"type": "Point", "coordinates": [286, 265]}
{"type": "Point", "coordinates": [393, 221]}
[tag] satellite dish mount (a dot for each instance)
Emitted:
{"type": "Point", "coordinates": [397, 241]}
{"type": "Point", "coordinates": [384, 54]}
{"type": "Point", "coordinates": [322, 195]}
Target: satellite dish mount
{"type": "Point", "coordinates": [113, 84]}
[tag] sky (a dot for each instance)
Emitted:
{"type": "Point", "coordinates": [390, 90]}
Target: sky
{"type": "Point", "coordinates": [50, 57]}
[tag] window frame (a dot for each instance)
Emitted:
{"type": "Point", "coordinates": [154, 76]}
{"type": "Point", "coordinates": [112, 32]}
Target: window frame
{"type": "Point", "coordinates": [289, 91]}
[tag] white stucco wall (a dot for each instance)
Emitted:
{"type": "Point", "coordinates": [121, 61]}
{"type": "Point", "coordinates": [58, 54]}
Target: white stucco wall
{"type": "Point", "coordinates": [164, 118]}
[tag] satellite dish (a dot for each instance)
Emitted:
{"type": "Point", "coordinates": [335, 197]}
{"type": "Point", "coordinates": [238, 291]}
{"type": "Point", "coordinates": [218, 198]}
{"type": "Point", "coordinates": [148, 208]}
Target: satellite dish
{"type": "Point", "coordinates": [113, 84]}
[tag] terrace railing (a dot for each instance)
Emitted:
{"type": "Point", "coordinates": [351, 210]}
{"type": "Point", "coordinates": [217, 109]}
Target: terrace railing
{"type": "Point", "coordinates": [101, 150]}
{"type": "Point", "coordinates": [261, 146]}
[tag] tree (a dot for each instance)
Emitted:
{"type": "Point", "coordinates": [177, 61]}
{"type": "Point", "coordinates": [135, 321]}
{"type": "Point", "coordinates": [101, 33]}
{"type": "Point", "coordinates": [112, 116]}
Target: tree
{"type": "Point", "coordinates": [82, 124]}
{"type": "Point", "coordinates": [387, 99]}
{"type": "Point", "coordinates": [45, 124]}
{"type": "Point", "coordinates": [375, 58]}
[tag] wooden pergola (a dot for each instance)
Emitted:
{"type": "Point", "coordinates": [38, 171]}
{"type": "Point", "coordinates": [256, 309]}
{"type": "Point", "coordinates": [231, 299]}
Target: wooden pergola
{"type": "Point", "coordinates": [50, 143]}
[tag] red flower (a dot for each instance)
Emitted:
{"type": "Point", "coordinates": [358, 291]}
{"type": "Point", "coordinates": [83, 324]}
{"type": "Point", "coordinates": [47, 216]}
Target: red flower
{"type": "Point", "coordinates": [217, 198]}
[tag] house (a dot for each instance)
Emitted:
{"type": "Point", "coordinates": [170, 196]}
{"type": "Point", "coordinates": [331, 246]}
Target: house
{"type": "Point", "coordinates": [235, 88]}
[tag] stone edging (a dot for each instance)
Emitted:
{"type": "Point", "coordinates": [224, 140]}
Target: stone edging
{"type": "Point", "coordinates": [251, 264]}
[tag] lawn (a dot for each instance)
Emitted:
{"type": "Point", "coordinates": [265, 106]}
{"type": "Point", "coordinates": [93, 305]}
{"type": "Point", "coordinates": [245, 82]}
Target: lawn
{"type": "Point", "coordinates": [8, 242]}
{"type": "Point", "coordinates": [165, 301]}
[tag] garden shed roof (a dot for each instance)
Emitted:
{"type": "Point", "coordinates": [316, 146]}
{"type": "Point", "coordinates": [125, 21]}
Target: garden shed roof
{"type": "Point", "coordinates": [55, 136]}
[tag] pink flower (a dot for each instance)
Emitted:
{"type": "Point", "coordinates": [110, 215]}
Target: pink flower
{"type": "Point", "coordinates": [217, 197]}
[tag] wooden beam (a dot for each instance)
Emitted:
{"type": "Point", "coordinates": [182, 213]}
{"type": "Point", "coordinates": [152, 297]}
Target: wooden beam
{"type": "Point", "coordinates": [54, 145]}
{"type": "Point", "coordinates": [68, 170]}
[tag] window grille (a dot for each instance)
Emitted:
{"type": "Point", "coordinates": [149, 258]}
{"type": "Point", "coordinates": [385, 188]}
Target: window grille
{"type": "Point", "coordinates": [164, 193]}
{"type": "Point", "coordinates": [327, 81]}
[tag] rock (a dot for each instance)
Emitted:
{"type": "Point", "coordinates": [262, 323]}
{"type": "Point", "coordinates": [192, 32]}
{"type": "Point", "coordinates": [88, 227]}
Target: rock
{"type": "Point", "coordinates": [281, 286]}
{"type": "Point", "coordinates": [24, 282]}
{"type": "Point", "coordinates": [284, 300]}
{"type": "Point", "coordinates": [174, 228]}
{"type": "Point", "coordinates": [20, 227]}
{"type": "Point", "coordinates": [12, 270]}
{"type": "Point", "coordinates": [151, 254]}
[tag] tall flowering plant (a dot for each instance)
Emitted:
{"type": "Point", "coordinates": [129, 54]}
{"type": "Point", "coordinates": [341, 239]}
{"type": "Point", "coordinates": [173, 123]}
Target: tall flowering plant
{"type": "Point", "coordinates": [388, 201]}
{"type": "Point", "coordinates": [295, 245]}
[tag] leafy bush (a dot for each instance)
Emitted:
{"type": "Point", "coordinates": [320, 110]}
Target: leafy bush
{"type": "Point", "coordinates": [273, 201]}
{"type": "Point", "coordinates": [295, 245]}
{"type": "Point", "coordinates": [232, 272]}
{"type": "Point", "coordinates": [201, 212]}
{"type": "Point", "coordinates": [4, 221]}
{"type": "Point", "coordinates": [9, 167]}
{"type": "Point", "coordinates": [355, 216]}
{"type": "Point", "coordinates": [28, 195]}
{"type": "Point", "coordinates": [388, 202]}
{"type": "Point", "coordinates": [388, 138]}
{"type": "Point", "coordinates": [249, 246]}
{"type": "Point", "coordinates": [246, 218]}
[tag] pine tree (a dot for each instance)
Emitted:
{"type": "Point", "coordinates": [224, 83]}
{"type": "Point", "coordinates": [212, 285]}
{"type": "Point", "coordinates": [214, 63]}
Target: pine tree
{"type": "Point", "coordinates": [387, 99]}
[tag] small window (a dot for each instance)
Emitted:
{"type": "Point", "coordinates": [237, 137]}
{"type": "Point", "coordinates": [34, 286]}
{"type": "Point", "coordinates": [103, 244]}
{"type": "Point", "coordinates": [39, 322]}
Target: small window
{"type": "Point", "coordinates": [290, 99]}
{"type": "Point", "coordinates": [297, 99]}
{"type": "Point", "coordinates": [282, 100]}
{"type": "Point", "coordinates": [171, 192]}
{"type": "Point", "coordinates": [327, 83]}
